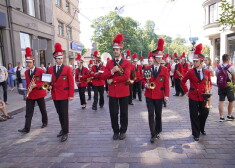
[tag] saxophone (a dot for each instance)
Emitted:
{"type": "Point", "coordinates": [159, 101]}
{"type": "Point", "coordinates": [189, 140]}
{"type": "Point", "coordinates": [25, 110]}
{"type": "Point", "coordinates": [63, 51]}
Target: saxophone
{"type": "Point", "coordinates": [30, 88]}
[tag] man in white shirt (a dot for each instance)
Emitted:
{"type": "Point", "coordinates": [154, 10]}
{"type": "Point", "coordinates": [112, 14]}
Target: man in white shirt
{"type": "Point", "coordinates": [3, 82]}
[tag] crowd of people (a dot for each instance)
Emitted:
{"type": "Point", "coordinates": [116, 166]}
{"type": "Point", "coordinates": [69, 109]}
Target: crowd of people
{"type": "Point", "coordinates": [124, 79]}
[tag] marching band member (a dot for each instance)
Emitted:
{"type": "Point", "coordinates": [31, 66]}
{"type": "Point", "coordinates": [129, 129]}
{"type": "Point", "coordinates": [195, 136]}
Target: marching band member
{"type": "Point", "coordinates": [118, 72]}
{"type": "Point", "coordinates": [178, 75]}
{"type": "Point", "coordinates": [89, 87]}
{"type": "Point", "coordinates": [142, 62]}
{"type": "Point", "coordinates": [106, 83]}
{"type": "Point", "coordinates": [138, 81]}
{"type": "Point", "coordinates": [35, 93]}
{"type": "Point", "coordinates": [172, 71]}
{"type": "Point", "coordinates": [150, 58]}
{"type": "Point", "coordinates": [200, 82]}
{"type": "Point", "coordinates": [97, 82]}
{"type": "Point", "coordinates": [167, 64]}
{"type": "Point", "coordinates": [184, 63]}
{"type": "Point", "coordinates": [81, 75]}
{"type": "Point", "coordinates": [62, 90]}
{"type": "Point", "coordinates": [128, 58]}
{"type": "Point", "coordinates": [155, 95]}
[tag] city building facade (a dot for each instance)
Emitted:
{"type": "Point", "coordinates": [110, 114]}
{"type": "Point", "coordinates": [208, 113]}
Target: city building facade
{"type": "Point", "coordinates": [26, 23]}
{"type": "Point", "coordinates": [67, 28]}
{"type": "Point", "coordinates": [221, 41]}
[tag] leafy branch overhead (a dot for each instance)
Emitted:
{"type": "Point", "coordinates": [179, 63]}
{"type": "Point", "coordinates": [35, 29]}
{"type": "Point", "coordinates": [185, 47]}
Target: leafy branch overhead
{"type": "Point", "coordinates": [227, 16]}
{"type": "Point", "coordinates": [139, 39]}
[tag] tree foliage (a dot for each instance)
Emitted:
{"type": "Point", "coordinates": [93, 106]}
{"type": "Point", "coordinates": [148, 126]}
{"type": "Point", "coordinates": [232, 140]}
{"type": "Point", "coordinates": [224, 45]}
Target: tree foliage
{"type": "Point", "coordinates": [227, 16]}
{"type": "Point", "coordinates": [137, 39]}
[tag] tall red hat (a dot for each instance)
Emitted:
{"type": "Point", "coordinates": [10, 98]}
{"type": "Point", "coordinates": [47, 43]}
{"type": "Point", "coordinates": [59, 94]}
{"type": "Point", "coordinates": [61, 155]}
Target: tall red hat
{"type": "Point", "coordinates": [141, 58]}
{"type": "Point", "coordinates": [117, 41]}
{"type": "Point", "coordinates": [176, 56]}
{"type": "Point", "coordinates": [79, 57]}
{"type": "Point", "coordinates": [150, 55]}
{"type": "Point", "coordinates": [90, 62]}
{"type": "Point", "coordinates": [96, 55]}
{"type": "Point", "coordinates": [28, 55]}
{"type": "Point", "coordinates": [128, 54]}
{"type": "Point", "coordinates": [135, 57]}
{"type": "Point", "coordinates": [160, 47]}
{"type": "Point", "coordinates": [59, 52]}
{"type": "Point", "coordinates": [198, 52]}
{"type": "Point", "coordinates": [183, 56]}
{"type": "Point", "coordinates": [167, 55]}
{"type": "Point", "coordinates": [108, 59]}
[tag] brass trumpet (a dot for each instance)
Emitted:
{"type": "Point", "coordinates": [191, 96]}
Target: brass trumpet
{"type": "Point", "coordinates": [45, 86]}
{"type": "Point", "coordinates": [148, 75]}
{"type": "Point", "coordinates": [207, 94]}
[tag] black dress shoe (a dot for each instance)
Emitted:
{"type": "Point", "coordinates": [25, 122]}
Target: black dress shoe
{"type": "Point", "coordinates": [182, 94]}
{"type": "Point", "coordinates": [176, 95]}
{"type": "Point", "coordinates": [60, 134]}
{"type": "Point", "coordinates": [23, 130]}
{"type": "Point", "coordinates": [89, 99]}
{"type": "Point", "coordinates": [94, 108]}
{"type": "Point", "coordinates": [196, 138]}
{"type": "Point", "coordinates": [131, 104]}
{"type": "Point", "coordinates": [157, 136]}
{"type": "Point", "coordinates": [101, 106]}
{"type": "Point", "coordinates": [44, 125]}
{"type": "Point", "coordinates": [84, 107]}
{"type": "Point", "coordinates": [152, 140]}
{"type": "Point", "coordinates": [64, 137]}
{"type": "Point", "coordinates": [140, 99]}
{"type": "Point", "coordinates": [203, 132]}
{"type": "Point", "coordinates": [115, 136]}
{"type": "Point", "coordinates": [122, 136]}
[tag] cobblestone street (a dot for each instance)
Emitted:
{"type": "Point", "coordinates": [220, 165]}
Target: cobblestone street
{"type": "Point", "coordinates": [90, 141]}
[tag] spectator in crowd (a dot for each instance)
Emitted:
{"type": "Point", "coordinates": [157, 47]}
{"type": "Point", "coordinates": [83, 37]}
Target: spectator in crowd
{"type": "Point", "coordinates": [11, 74]}
{"type": "Point", "coordinates": [5, 116]}
{"type": "Point", "coordinates": [18, 75]}
{"type": "Point", "coordinates": [208, 65]}
{"type": "Point", "coordinates": [48, 66]}
{"type": "Point", "coordinates": [225, 73]}
{"type": "Point", "coordinates": [3, 82]}
{"type": "Point", "coordinates": [43, 67]}
{"type": "Point", "coordinates": [22, 75]}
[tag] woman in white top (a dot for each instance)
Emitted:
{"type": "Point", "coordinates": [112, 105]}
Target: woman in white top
{"type": "Point", "coordinates": [208, 65]}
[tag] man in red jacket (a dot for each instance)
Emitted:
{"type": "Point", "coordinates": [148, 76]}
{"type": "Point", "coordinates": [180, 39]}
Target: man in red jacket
{"type": "Point", "coordinates": [97, 82]}
{"type": "Point", "coordinates": [35, 93]}
{"type": "Point", "coordinates": [178, 75]}
{"type": "Point", "coordinates": [154, 96]}
{"type": "Point", "coordinates": [184, 63]}
{"type": "Point", "coordinates": [62, 90]}
{"type": "Point", "coordinates": [200, 82]}
{"type": "Point", "coordinates": [138, 81]}
{"type": "Point", "coordinates": [81, 75]}
{"type": "Point", "coordinates": [132, 74]}
{"type": "Point", "coordinates": [117, 73]}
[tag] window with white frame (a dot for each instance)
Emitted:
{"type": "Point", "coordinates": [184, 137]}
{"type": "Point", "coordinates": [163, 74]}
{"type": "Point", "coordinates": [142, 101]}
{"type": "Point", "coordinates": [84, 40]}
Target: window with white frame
{"type": "Point", "coordinates": [67, 7]}
{"type": "Point", "coordinates": [69, 29]}
{"type": "Point", "coordinates": [213, 13]}
{"type": "Point", "coordinates": [58, 3]}
{"type": "Point", "coordinates": [61, 28]}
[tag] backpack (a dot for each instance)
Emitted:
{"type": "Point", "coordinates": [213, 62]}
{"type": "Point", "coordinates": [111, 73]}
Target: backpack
{"type": "Point", "coordinates": [222, 77]}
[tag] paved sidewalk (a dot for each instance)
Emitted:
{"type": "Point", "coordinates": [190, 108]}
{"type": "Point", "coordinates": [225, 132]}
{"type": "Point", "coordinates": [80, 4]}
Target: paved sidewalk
{"type": "Point", "coordinates": [90, 143]}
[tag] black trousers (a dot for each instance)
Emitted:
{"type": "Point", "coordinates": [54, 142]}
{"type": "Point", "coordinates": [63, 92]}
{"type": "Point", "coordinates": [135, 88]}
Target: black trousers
{"type": "Point", "coordinates": [62, 108]}
{"type": "Point", "coordinates": [106, 86]}
{"type": "Point", "coordinates": [198, 116]}
{"type": "Point", "coordinates": [172, 82]}
{"type": "Point", "coordinates": [178, 88]}
{"type": "Point", "coordinates": [30, 103]}
{"type": "Point", "coordinates": [98, 90]}
{"type": "Point", "coordinates": [137, 88]}
{"type": "Point", "coordinates": [4, 87]}
{"type": "Point", "coordinates": [154, 115]}
{"type": "Point", "coordinates": [82, 95]}
{"type": "Point", "coordinates": [131, 93]}
{"type": "Point", "coordinates": [114, 105]}
{"type": "Point", "coordinates": [89, 87]}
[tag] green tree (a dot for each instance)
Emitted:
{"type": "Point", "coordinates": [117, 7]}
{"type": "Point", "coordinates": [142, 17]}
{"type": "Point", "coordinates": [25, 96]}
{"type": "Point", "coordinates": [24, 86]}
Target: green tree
{"type": "Point", "coordinates": [227, 16]}
{"type": "Point", "coordinates": [84, 50]}
{"type": "Point", "coordinates": [206, 50]}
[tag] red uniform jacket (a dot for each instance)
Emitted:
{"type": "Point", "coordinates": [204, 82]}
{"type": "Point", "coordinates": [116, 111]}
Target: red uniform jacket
{"type": "Point", "coordinates": [97, 79]}
{"type": "Point", "coordinates": [37, 92]}
{"type": "Point", "coordinates": [118, 87]}
{"type": "Point", "coordinates": [83, 80]}
{"type": "Point", "coordinates": [197, 87]}
{"type": "Point", "coordinates": [162, 84]}
{"type": "Point", "coordinates": [179, 68]}
{"type": "Point", "coordinates": [185, 67]}
{"type": "Point", "coordinates": [62, 83]}
{"type": "Point", "coordinates": [139, 73]}
{"type": "Point", "coordinates": [168, 66]}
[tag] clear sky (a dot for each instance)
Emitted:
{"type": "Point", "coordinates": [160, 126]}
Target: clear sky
{"type": "Point", "coordinates": [176, 18]}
